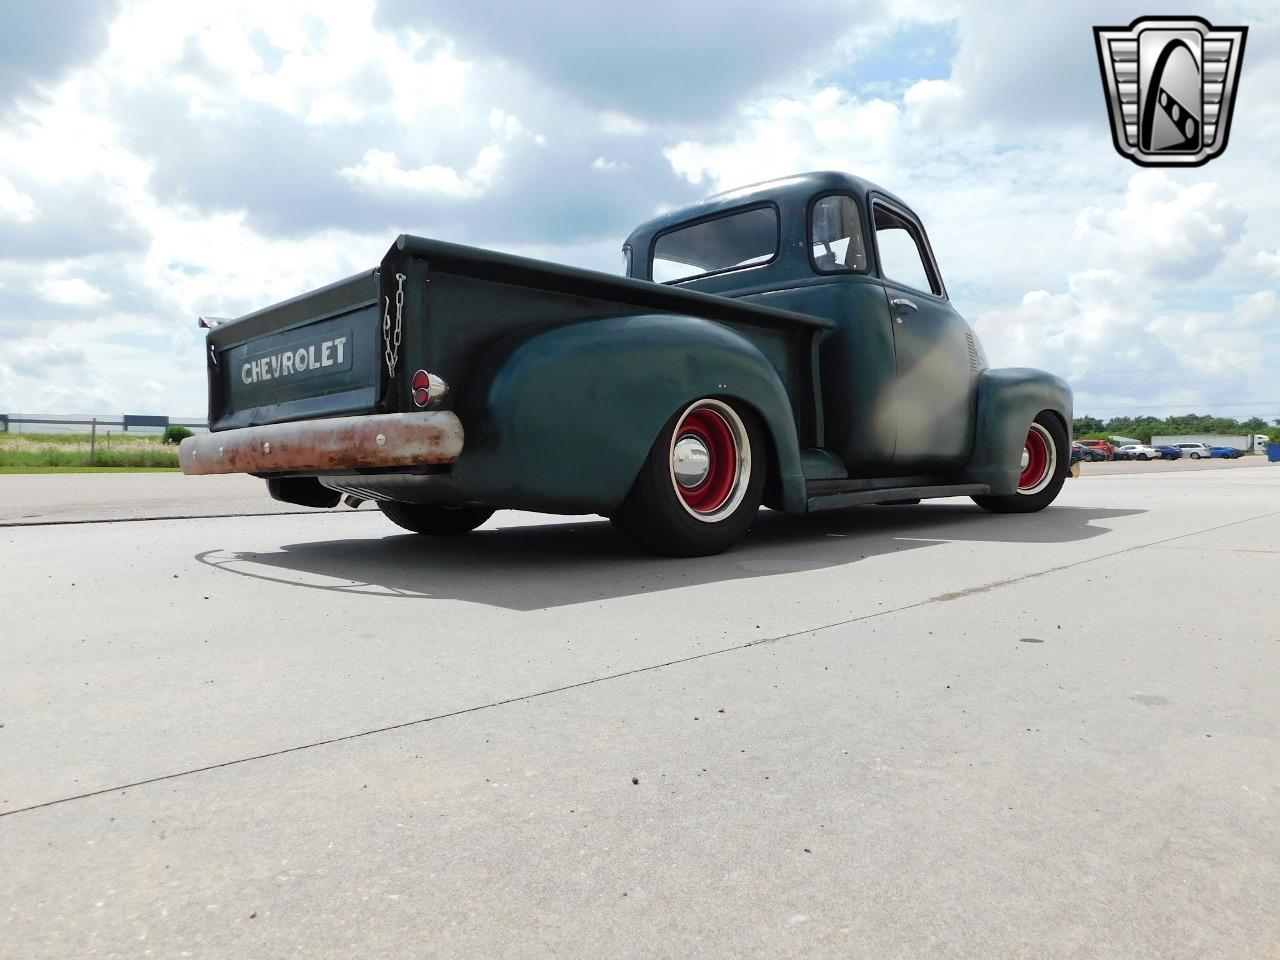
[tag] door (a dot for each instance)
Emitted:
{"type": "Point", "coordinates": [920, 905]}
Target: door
{"type": "Point", "coordinates": [937, 359]}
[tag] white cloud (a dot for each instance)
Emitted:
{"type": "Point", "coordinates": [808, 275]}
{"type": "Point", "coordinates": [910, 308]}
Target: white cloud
{"type": "Point", "coordinates": [1071, 332]}
{"type": "Point", "coordinates": [823, 129]}
{"type": "Point", "coordinates": [1164, 229]}
{"type": "Point", "coordinates": [620, 124]}
{"type": "Point", "coordinates": [1122, 353]}
{"type": "Point", "coordinates": [380, 171]}
{"type": "Point", "coordinates": [935, 105]}
{"type": "Point", "coordinates": [48, 374]}
{"type": "Point", "coordinates": [508, 128]}
{"type": "Point", "coordinates": [15, 205]}
{"type": "Point", "coordinates": [1028, 65]}
{"type": "Point", "coordinates": [215, 158]}
{"type": "Point", "coordinates": [73, 291]}
{"type": "Point", "coordinates": [78, 368]}
{"type": "Point", "coordinates": [1257, 310]}
{"type": "Point", "coordinates": [679, 61]}
{"type": "Point", "coordinates": [1268, 261]}
{"type": "Point", "coordinates": [28, 356]}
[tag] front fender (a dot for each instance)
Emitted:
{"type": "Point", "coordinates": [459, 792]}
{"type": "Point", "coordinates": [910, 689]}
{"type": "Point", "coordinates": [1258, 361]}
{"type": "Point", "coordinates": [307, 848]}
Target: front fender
{"type": "Point", "coordinates": [1008, 400]}
{"type": "Point", "coordinates": [562, 420]}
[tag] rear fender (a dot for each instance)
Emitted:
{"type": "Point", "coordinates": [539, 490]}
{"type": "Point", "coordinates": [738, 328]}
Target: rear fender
{"type": "Point", "coordinates": [562, 420]}
{"type": "Point", "coordinates": [1008, 400]}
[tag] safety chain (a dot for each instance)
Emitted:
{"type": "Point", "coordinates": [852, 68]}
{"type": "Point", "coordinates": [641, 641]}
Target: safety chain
{"type": "Point", "coordinates": [392, 340]}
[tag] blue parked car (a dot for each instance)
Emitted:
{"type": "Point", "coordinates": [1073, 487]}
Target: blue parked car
{"type": "Point", "coordinates": [1225, 453]}
{"type": "Point", "coordinates": [1169, 453]}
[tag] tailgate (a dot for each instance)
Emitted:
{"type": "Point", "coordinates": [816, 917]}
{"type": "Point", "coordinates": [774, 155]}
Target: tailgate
{"type": "Point", "coordinates": [316, 355]}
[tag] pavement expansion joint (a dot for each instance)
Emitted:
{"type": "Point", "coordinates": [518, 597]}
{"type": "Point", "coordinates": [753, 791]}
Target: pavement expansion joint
{"type": "Point", "coordinates": [185, 516]}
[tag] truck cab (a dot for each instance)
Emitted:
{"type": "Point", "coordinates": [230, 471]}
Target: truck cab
{"type": "Point", "coordinates": [900, 369]}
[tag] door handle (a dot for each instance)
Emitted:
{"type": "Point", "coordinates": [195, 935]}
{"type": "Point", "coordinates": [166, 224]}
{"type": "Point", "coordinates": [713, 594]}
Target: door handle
{"type": "Point", "coordinates": [902, 303]}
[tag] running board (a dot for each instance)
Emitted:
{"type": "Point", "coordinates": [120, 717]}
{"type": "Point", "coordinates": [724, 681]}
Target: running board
{"type": "Point", "coordinates": [853, 498]}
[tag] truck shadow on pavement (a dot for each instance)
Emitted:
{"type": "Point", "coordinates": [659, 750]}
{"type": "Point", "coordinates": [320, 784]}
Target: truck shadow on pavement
{"type": "Point", "coordinates": [554, 564]}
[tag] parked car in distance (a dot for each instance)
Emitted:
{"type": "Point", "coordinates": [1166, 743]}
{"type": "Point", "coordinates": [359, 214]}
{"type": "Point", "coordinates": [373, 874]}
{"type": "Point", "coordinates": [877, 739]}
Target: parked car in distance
{"type": "Point", "coordinates": [1193, 450]}
{"type": "Point", "coordinates": [1245, 442]}
{"type": "Point", "coordinates": [1168, 452]}
{"type": "Point", "coordinates": [1137, 451]}
{"type": "Point", "coordinates": [1083, 451]}
{"type": "Point", "coordinates": [1226, 453]}
{"type": "Point", "coordinates": [1107, 449]}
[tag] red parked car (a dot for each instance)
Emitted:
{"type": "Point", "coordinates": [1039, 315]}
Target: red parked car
{"type": "Point", "coordinates": [1108, 451]}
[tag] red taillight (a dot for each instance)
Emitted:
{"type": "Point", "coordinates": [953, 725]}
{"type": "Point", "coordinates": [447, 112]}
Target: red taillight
{"type": "Point", "coordinates": [421, 385]}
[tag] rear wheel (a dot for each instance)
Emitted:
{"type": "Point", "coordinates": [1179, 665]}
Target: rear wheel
{"type": "Point", "coordinates": [1044, 469]}
{"type": "Point", "coordinates": [700, 487]}
{"type": "Point", "coordinates": [434, 519]}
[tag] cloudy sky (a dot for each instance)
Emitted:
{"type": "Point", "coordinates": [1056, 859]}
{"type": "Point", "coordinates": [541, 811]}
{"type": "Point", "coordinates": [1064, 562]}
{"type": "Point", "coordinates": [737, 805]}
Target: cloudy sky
{"type": "Point", "coordinates": [160, 160]}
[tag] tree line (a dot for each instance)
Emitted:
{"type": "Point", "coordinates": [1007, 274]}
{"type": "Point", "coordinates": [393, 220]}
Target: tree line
{"type": "Point", "coordinates": [1144, 428]}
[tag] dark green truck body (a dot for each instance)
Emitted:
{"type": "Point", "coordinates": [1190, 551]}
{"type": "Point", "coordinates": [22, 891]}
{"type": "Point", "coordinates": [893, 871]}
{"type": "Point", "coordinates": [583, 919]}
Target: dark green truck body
{"type": "Point", "coordinates": [552, 383]}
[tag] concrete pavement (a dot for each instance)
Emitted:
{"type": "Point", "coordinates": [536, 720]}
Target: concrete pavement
{"type": "Point", "coordinates": [44, 498]}
{"type": "Point", "coordinates": [902, 731]}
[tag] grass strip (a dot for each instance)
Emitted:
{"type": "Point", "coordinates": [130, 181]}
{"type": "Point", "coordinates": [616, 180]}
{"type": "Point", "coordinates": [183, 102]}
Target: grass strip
{"type": "Point", "coordinates": [4, 470]}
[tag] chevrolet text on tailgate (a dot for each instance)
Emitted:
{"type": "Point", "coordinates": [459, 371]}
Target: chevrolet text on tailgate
{"type": "Point", "coordinates": [788, 344]}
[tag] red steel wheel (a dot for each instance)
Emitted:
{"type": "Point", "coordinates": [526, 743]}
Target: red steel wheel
{"type": "Point", "coordinates": [1039, 461]}
{"type": "Point", "coordinates": [710, 459]}
{"type": "Point", "coordinates": [700, 485]}
{"type": "Point", "coordinates": [1042, 471]}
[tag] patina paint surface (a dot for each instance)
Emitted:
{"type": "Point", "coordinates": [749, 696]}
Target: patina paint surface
{"type": "Point", "coordinates": [563, 420]}
{"type": "Point", "coordinates": [1009, 398]}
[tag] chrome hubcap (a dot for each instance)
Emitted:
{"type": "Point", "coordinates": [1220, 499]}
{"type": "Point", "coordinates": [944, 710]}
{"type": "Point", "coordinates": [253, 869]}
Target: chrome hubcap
{"type": "Point", "coordinates": [690, 461]}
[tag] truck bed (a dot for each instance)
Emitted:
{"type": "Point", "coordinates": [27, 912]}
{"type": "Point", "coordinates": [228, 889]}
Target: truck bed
{"type": "Point", "coordinates": [326, 353]}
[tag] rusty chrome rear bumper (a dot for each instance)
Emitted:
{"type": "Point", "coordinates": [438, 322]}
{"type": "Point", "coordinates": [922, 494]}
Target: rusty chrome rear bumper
{"type": "Point", "coordinates": [335, 443]}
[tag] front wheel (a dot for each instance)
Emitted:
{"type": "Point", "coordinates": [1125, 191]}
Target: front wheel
{"type": "Point", "coordinates": [1044, 470]}
{"type": "Point", "coordinates": [1143, 456]}
{"type": "Point", "coordinates": [1195, 456]}
{"type": "Point", "coordinates": [434, 519]}
{"type": "Point", "coordinates": [701, 485]}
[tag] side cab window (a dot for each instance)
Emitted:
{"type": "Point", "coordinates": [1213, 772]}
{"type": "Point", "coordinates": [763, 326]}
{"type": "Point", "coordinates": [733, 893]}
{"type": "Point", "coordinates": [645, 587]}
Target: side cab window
{"type": "Point", "coordinates": [904, 253]}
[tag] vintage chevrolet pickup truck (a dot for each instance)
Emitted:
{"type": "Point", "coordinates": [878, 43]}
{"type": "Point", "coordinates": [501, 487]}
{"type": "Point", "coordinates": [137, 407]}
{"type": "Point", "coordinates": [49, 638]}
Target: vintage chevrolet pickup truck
{"type": "Point", "coordinates": [789, 343]}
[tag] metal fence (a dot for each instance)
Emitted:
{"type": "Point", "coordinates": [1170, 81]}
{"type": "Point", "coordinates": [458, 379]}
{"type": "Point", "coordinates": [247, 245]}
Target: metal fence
{"type": "Point", "coordinates": [81, 423]}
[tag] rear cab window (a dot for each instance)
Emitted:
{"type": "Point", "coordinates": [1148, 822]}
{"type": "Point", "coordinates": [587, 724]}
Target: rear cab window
{"type": "Point", "coordinates": [836, 243]}
{"type": "Point", "coordinates": [731, 241]}
{"type": "Point", "coordinates": [903, 250]}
